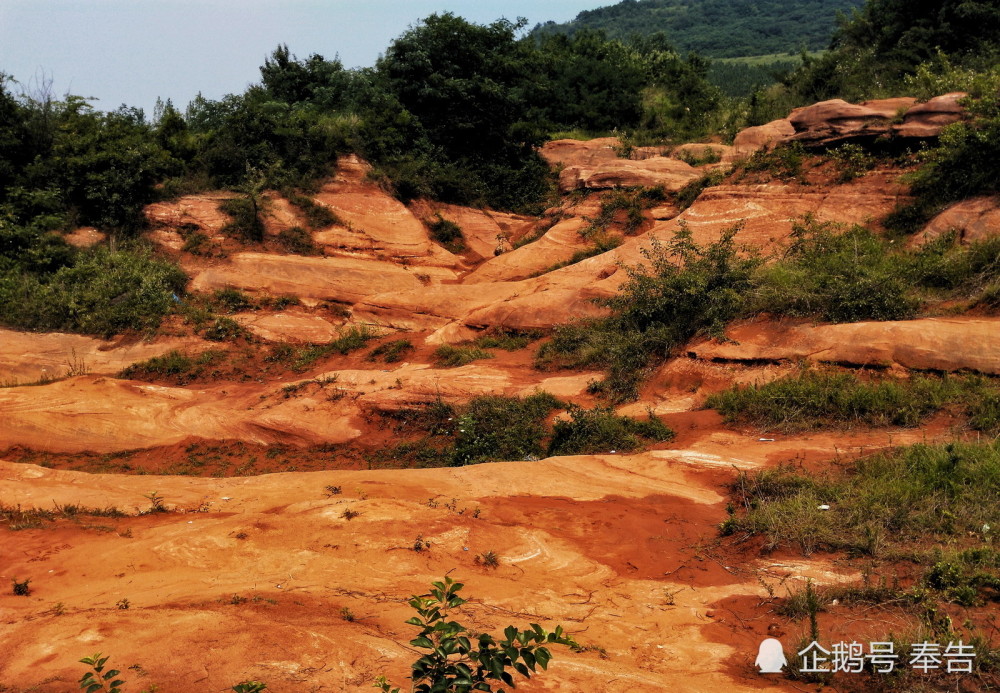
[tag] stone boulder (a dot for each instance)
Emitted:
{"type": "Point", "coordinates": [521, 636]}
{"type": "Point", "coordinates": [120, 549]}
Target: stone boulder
{"type": "Point", "coordinates": [973, 220]}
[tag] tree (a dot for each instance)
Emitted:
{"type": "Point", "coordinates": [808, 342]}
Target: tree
{"type": "Point", "coordinates": [454, 664]}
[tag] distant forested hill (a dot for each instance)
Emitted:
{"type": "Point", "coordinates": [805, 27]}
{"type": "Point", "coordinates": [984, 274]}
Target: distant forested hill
{"type": "Point", "coordinates": [718, 28]}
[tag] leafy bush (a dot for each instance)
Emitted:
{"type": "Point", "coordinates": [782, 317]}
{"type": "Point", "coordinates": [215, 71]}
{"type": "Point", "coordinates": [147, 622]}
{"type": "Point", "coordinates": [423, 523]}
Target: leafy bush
{"type": "Point", "coordinates": [506, 338]}
{"type": "Point", "coordinates": [783, 162]}
{"type": "Point", "coordinates": [448, 234]}
{"type": "Point", "coordinates": [297, 240]}
{"type": "Point", "coordinates": [454, 664]}
{"type": "Point", "coordinates": [97, 291]}
{"type": "Point", "coordinates": [683, 290]}
{"type": "Point", "coordinates": [592, 431]}
{"type": "Point", "coordinates": [247, 217]}
{"type": "Point", "coordinates": [318, 215]}
{"type": "Point", "coordinates": [852, 160]}
{"type": "Point", "coordinates": [502, 428]}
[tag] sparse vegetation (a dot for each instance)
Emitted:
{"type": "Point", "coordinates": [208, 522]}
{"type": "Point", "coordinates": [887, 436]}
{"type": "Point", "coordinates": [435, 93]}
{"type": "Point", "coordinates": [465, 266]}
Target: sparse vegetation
{"type": "Point", "coordinates": [391, 352]}
{"type": "Point", "coordinates": [21, 588]}
{"type": "Point", "coordinates": [448, 356]}
{"type": "Point", "coordinates": [590, 431]}
{"type": "Point", "coordinates": [506, 338]}
{"type": "Point", "coordinates": [824, 398]}
{"type": "Point", "coordinates": [488, 559]}
{"type": "Point", "coordinates": [454, 664]}
{"type": "Point", "coordinates": [683, 290]}
{"type": "Point", "coordinates": [886, 504]}
{"type": "Point", "coordinates": [448, 234]}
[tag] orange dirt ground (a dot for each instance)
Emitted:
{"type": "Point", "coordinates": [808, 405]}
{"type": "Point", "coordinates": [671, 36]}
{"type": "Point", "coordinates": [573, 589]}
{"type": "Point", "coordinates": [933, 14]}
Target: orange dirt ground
{"type": "Point", "coordinates": [251, 572]}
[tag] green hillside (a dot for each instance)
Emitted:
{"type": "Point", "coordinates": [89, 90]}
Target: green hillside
{"type": "Point", "coordinates": [718, 28]}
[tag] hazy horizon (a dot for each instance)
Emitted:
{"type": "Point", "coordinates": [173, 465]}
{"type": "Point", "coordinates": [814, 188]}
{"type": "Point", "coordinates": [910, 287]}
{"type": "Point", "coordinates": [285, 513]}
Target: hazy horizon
{"type": "Point", "coordinates": [134, 51]}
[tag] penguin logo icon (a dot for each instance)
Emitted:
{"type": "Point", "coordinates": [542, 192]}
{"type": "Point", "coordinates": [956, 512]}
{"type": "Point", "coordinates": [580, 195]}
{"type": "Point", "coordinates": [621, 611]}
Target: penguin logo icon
{"type": "Point", "coordinates": [771, 656]}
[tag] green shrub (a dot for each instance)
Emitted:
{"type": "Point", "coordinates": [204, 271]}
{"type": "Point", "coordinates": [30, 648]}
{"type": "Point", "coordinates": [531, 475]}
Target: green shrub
{"type": "Point", "coordinates": [453, 664]}
{"type": "Point", "coordinates": [447, 356]}
{"type": "Point", "coordinates": [686, 196]}
{"type": "Point", "coordinates": [683, 290]}
{"type": "Point", "coordinates": [232, 300]}
{"type": "Point", "coordinates": [840, 277]}
{"type": "Point", "coordinates": [852, 161]}
{"type": "Point", "coordinates": [298, 241]}
{"type": "Point", "coordinates": [496, 428]}
{"type": "Point", "coordinates": [318, 216]}
{"type": "Point", "coordinates": [506, 338]}
{"type": "Point", "coordinates": [100, 291]}
{"type": "Point", "coordinates": [225, 330]}
{"type": "Point", "coordinates": [246, 213]}
{"type": "Point", "coordinates": [783, 162]}
{"type": "Point", "coordinates": [599, 430]}
{"type": "Point", "coordinates": [448, 234]}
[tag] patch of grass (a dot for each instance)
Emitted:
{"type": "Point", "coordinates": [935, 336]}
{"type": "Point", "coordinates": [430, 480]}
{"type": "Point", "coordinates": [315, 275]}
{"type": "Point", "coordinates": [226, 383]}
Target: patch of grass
{"type": "Point", "coordinates": [818, 399]}
{"type": "Point", "coordinates": [232, 300]}
{"type": "Point", "coordinates": [448, 356]}
{"type": "Point", "coordinates": [225, 330]}
{"type": "Point", "coordinates": [391, 352]}
{"type": "Point", "coordinates": [317, 215]}
{"type": "Point", "coordinates": [301, 358]}
{"type": "Point", "coordinates": [590, 431]}
{"type": "Point", "coordinates": [175, 364]}
{"type": "Point", "coordinates": [298, 241]}
{"type": "Point", "coordinates": [448, 234]}
{"type": "Point", "coordinates": [880, 505]}
{"type": "Point", "coordinates": [506, 338]}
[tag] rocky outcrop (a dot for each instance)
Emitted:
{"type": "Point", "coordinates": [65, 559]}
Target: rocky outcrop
{"type": "Point", "coordinates": [669, 173]}
{"type": "Point", "coordinates": [973, 220]}
{"type": "Point", "coordinates": [937, 344]}
{"type": "Point", "coordinates": [833, 122]}
{"type": "Point", "coordinates": [29, 356]}
{"type": "Point", "coordinates": [760, 137]}
{"type": "Point", "coordinates": [342, 279]}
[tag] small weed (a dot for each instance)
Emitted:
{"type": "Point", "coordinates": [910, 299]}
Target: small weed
{"type": "Point", "coordinates": [124, 604]}
{"type": "Point", "coordinates": [489, 559]}
{"type": "Point", "coordinates": [349, 514]}
{"type": "Point", "coordinates": [156, 503]}
{"type": "Point", "coordinates": [21, 588]}
{"type": "Point", "coordinates": [225, 330]}
{"type": "Point", "coordinates": [237, 599]}
{"type": "Point", "coordinates": [419, 544]}
{"type": "Point", "coordinates": [332, 491]}
{"type": "Point", "coordinates": [347, 615]}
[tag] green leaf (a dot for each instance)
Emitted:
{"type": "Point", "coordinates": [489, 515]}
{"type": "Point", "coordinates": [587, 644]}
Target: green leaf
{"type": "Point", "coordinates": [542, 656]}
{"type": "Point", "coordinates": [111, 674]}
{"type": "Point", "coordinates": [422, 642]}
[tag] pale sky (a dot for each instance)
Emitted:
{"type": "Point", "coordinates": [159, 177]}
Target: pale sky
{"type": "Point", "coordinates": [132, 51]}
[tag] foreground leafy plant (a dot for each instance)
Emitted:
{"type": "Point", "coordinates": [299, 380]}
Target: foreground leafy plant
{"type": "Point", "coordinates": [98, 679]}
{"type": "Point", "coordinates": [453, 664]}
